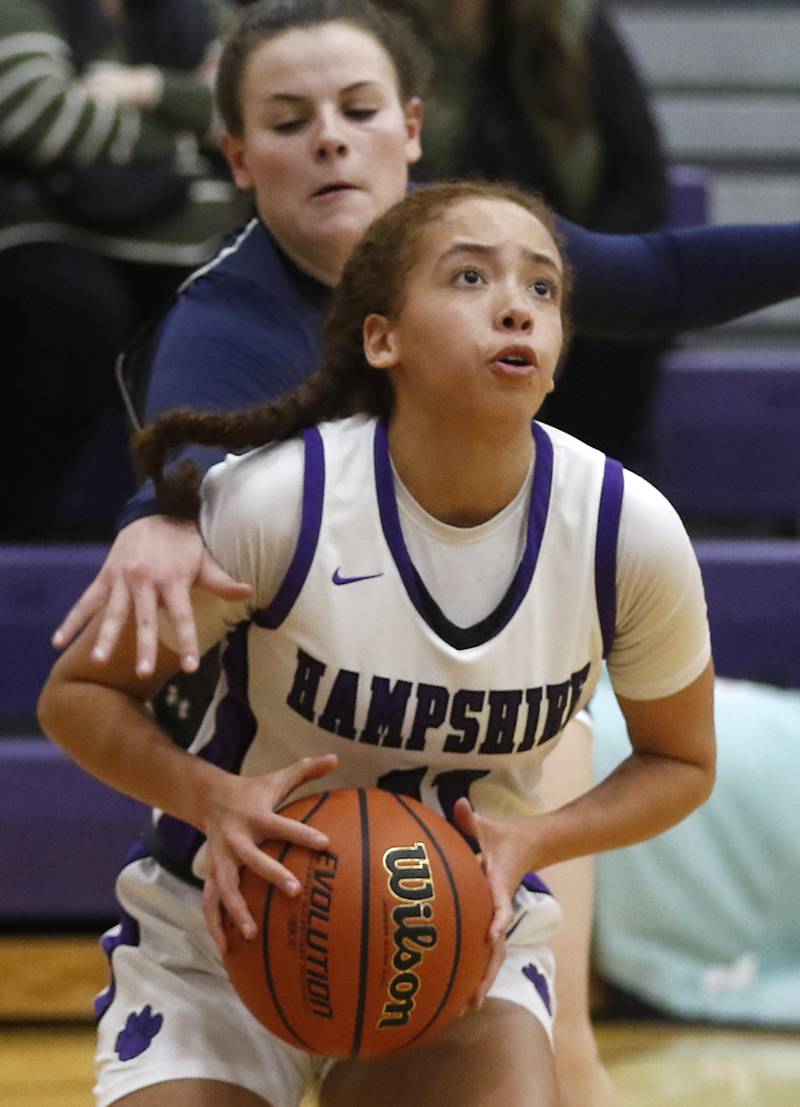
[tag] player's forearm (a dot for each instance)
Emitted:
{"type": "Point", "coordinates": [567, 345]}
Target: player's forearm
{"type": "Point", "coordinates": [665, 282]}
{"type": "Point", "coordinates": [643, 797]}
{"type": "Point", "coordinates": [114, 738]}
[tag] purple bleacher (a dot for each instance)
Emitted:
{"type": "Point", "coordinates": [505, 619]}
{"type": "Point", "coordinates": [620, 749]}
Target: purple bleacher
{"type": "Point", "coordinates": [38, 585]}
{"type": "Point", "coordinates": [687, 196]}
{"type": "Point", "coordinates": [63, 836]}
{"type": "Point", "coordinates": [725, 434]}
{"type": "Point", "coordinates": [753, 595]}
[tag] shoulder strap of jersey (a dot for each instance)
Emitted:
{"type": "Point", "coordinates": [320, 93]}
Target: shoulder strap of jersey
{"type": "Point", "coordinates": [605, 556]}
{"type": "Point", "coordinates": [275, 612]}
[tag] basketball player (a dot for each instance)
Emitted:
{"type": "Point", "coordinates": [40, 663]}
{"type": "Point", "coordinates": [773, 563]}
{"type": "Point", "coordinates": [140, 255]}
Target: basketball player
{"type": "Point", "coordinates": [246, 328]}
{"type": "Point", "coordinates": [435, 582]}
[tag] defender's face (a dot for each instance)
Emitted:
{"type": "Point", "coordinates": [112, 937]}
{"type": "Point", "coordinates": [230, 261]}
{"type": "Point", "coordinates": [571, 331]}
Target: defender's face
{"type": "Point", "coordinates": [326, 143]}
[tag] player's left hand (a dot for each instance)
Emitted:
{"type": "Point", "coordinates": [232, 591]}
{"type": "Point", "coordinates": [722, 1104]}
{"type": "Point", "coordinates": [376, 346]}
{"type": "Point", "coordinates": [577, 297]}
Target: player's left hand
{"type": "Point", "coordinates": [504, 854]}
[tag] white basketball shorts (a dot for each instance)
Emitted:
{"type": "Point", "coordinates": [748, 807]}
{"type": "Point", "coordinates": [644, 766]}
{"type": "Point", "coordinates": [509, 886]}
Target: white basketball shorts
{"type": "Point", "coordinates": [170, 1011]}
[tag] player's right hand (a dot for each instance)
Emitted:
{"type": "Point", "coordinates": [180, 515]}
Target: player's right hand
{"type": "Point", "coordinates": [153, 563]}
{"type": "Point", "coordinates": [241, 815]}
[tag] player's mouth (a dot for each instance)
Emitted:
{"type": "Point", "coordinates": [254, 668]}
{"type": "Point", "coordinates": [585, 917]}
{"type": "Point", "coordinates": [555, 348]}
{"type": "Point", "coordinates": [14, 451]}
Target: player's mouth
{"type": "Point", "coordinates": [514, 361]}
{"type": "Point", "coordinates": [334, 188]}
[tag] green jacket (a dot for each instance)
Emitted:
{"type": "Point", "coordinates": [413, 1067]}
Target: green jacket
{"type": "Point", "coordinates": [574, 146]}
{"type": "Point", "coordinates": [52, 132]}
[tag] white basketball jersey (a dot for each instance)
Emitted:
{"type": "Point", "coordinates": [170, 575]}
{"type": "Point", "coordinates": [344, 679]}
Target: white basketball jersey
{"type": "Point", "coordinates": [354, 657]}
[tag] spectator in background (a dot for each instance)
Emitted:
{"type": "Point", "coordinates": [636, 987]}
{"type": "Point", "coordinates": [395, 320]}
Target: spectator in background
{"type": "Point", "coordinates": [110, 192]}
{"type": "Point", "coordinates": [543, 93]}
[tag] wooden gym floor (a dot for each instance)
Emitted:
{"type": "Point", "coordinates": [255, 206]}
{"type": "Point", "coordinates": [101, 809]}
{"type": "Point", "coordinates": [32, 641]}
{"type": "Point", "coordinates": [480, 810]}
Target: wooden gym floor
{"type": "Point", "coordinates": [46, 1042]}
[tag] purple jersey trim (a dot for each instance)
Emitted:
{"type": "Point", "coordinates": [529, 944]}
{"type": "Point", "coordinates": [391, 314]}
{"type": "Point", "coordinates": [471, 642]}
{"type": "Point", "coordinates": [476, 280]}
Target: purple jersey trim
{"type": "Point", "coordinates": [539, 981]}
{"type": "Point", "coordinates": [605, 555]}
{"type": "Point", "coordinates": [127, 935]}
{"type": "Point", "coordinates": [534, 883]}
{"type": "Point", "coordinates": [275, 612]}
{"type": "Point", "coordinates": [174, 842]}
{"type": "Point", "coordinates": [537, 517]}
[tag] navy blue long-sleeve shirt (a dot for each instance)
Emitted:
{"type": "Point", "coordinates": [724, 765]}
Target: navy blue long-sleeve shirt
{"type": "Point", "coordinates": [246, 328]}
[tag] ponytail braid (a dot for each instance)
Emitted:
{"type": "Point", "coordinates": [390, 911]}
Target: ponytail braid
{"type": "Point", "coordinates": [328, 394]}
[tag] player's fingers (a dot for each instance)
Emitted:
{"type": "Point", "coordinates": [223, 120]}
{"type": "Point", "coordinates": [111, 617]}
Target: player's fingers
{"type": "Point", "coordinates": [464, 815]}
{"type": "Point", "coordinates": [269, 869]}
{"type": "Point", "coordinates": [468, 822]}
{"type": "Point", "coordinates": [212, 911]}
{"type": "Point", "coordinates": [502, 919]}
{"type": "Point", "coordinates": [214, 578]}
{"type": "Point", "coordinates": [114, 618]}
{"type": "Point", "coordinates": [292, 830]}
{"type": "Point", "coordinates": [145, 607]}
{"type": "Point", "coordinates": [492, 969]}
{"type": "Point", "coordinates": [307, 768]}
{"type": "Point", "coordinates": [81, 612]}
{"type": "Point", "coordinates": [503, 910]}
{"type": "Point", "coordinates": [179, 606]}
{"type": "Point", "coordinates": [227, 888]}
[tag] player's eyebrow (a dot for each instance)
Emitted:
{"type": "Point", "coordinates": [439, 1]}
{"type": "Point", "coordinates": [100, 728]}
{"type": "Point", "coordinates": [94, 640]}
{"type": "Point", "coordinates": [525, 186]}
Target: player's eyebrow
{"type": "Point", "coordinates": [487, 250]}
{"type": "Point", "coordinates": [295, 98]}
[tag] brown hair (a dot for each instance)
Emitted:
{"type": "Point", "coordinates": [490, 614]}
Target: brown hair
{"type": "Point", "coordinates": [374, 281]}
{"type": "Point", "coordinates": [270, 18]}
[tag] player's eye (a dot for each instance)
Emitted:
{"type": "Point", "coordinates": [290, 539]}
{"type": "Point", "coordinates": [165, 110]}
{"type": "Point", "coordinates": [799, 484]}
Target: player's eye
{"type": "Point", "coordinates": [469, 277]}
{"type": "Point", "coordinates": [361, 115]}
{"type": "Point", "coordinates": [288, 126]}
{"type": "Point", "coordinates": [543, 288]}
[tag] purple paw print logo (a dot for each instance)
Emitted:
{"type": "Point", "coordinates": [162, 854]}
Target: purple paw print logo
{"type": "Point", "coordinates": [137, 1034]}
{"type": "Point", "coordinates": [539, 982]}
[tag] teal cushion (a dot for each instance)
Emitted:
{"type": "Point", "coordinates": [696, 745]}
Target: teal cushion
{"type": "Point", "coordinates": [703, 921]}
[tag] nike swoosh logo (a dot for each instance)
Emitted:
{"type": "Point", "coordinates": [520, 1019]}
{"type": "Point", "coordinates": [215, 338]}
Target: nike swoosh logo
{"type": "Point", "coordinates": [337, 579]}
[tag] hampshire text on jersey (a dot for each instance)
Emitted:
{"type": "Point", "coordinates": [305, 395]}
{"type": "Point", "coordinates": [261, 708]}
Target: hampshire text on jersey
{"type": "Point", "coordinates": [496, 721]}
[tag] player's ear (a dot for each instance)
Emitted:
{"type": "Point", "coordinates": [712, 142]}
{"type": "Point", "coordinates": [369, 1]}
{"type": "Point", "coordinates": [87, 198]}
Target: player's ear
{"type": "Point", "coordinates": [413, 113]}
{"type": "Point", "coordinates": [234, 150]}
{"type": "Point", "coordinates": [380, 342]}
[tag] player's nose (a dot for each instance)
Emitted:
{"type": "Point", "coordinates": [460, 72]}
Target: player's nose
{"type": "Point", "coordinates": [514, 317]}
{"type": "Point", "coordinates": [329, 137]}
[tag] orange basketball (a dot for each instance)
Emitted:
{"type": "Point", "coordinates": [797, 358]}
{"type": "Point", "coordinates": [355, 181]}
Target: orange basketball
{"type": "Point", "coordinates": [387, 939]}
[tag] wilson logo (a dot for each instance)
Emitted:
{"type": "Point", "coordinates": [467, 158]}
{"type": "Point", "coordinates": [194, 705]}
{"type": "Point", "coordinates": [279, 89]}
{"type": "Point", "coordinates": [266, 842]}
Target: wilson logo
{"type": "Point", "coordinates": [411, 883]}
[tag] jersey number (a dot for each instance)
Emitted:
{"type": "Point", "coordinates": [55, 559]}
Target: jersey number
{"type": "Point", "coordinates": [449, 786]}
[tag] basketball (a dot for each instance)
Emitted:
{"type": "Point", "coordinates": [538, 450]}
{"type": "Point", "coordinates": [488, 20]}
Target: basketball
{"type": "Point", "coordinates": [387, 939]}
